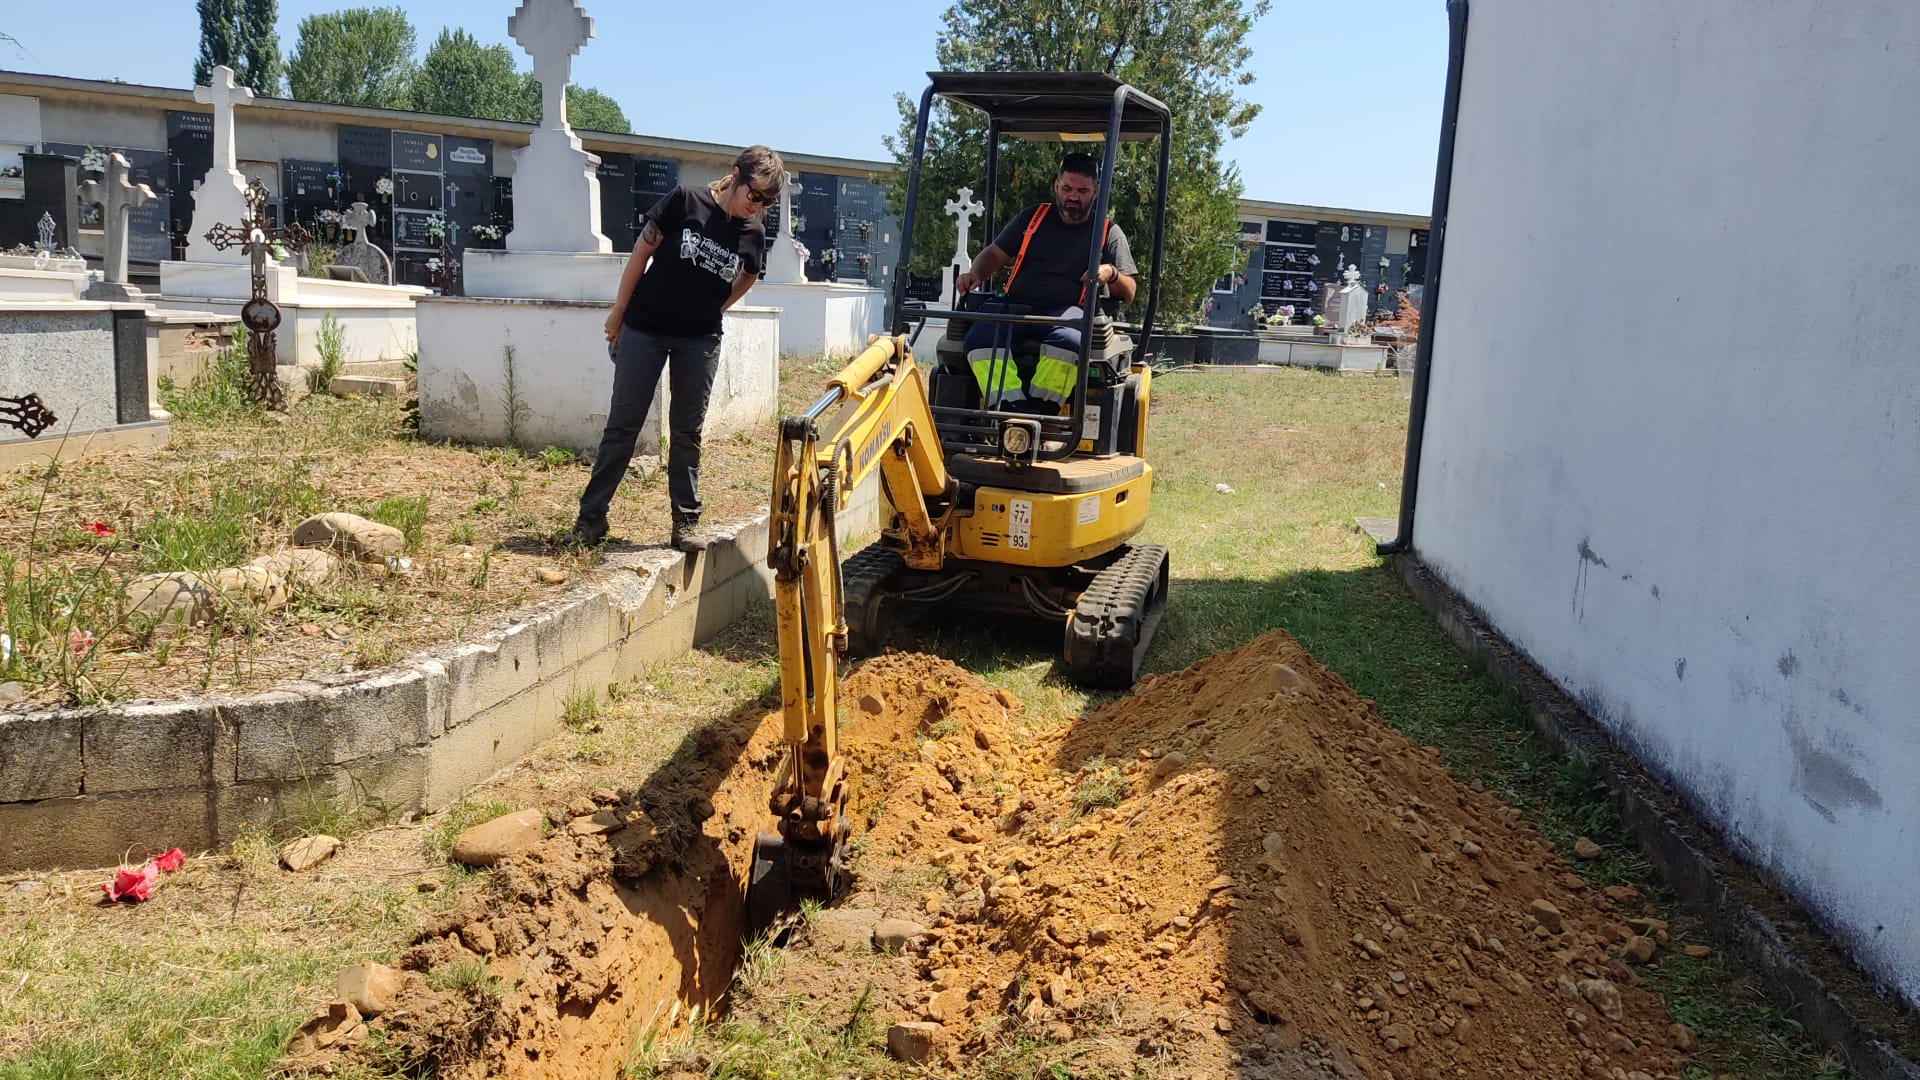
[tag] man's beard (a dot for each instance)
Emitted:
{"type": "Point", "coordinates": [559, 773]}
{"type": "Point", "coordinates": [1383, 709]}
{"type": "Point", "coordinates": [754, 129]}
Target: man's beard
{"type": "Point", "coordinates": [1074, 217]}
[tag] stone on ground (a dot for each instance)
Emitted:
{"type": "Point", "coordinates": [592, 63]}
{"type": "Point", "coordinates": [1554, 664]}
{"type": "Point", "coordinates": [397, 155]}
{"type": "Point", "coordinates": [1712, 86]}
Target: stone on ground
{"type": "Point", "coordinates": [252, 585]}
{"type": "Point", "coordinates": [370, 988]}
{"type": "Point", "coordinates": [307, 852]}
{"type": "Point", "coordinates": [894, 935]}
{"type": "Point", "coordinates": [352, 534]}
{"type": "Point", "coordinates": [179, 597]}
{"type": "Point", "coordinates": [308, 568]}
{"type": "Point", "coordinates": [914, 1041]}
{"type": "Point", "coordinates": [1584, 848]}
{"type": "Point", "coordinates": [488, 843]}
{"type": "Point", "coordinates": [844, 929]}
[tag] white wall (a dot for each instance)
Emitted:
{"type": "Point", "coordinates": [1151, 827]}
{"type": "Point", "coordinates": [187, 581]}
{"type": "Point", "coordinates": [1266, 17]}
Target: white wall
{"type": "Point", "coordinates": [562, 375]}
{"type": "Point", "coordinates": [1687, 485]}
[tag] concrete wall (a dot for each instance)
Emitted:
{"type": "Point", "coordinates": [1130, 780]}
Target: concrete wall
{"type": "Point", "coordinates": [1686, 491]}
{"type": "Point", "coordinates": [67, 358]}
{"type": "Point", "coordinates": [562, 375]}
{"type": "Point", "coordinates": [821, 319]}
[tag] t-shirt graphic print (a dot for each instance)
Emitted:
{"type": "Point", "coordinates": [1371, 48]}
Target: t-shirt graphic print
{"type": "Point", "coordinates": [703, 251]}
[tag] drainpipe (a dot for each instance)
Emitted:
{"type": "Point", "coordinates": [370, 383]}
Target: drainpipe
{"type": "Point", "coordinates": [1402, 543]}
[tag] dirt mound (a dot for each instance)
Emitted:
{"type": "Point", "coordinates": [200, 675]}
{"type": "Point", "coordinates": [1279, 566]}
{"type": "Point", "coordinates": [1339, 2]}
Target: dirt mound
{"type": "Point", "coordinates": [1238, 871]}
{"type": "Point", "coordinates": [1244, 852]}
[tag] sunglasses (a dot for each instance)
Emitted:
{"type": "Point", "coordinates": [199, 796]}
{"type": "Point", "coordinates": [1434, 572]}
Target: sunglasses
{"type": "Point", "coordinates": [759, 198]}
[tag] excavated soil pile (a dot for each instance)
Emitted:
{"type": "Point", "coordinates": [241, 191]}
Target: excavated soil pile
{"type": "Point", "coordinates": [1240, 869]}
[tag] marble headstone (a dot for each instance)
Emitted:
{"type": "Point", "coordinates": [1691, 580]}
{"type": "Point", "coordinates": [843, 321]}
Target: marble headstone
{"type": "Point", "coordinates": [371, 260]}
{"type": "Point", "coordinates": [118, 197]}
{"type": "Point", "coordinates": [555, 181]}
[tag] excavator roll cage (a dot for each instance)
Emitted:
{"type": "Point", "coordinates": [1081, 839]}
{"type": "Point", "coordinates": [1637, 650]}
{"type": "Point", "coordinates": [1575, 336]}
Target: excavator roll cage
{"type": "Point", "coordinates": [1036, 106]}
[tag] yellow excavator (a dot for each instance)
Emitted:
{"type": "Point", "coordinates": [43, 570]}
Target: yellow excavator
{"type": "Point", "coordinates": [1010, 514]}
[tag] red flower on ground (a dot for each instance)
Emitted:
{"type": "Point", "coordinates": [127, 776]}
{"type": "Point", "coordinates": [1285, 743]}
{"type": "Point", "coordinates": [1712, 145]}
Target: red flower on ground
{"type": "Point", "coordinates": [99, 528]}
{"type": "Point", "coordinates": [133, 885]}
{"type": "Point", "coordinates": [80, 641]}
{"type": "Point", "coordinates": [171, 861]}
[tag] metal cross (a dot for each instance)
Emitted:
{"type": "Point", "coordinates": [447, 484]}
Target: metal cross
{"type": "Point", "coordinates": [552, 32]}
{"type": "Point", "coordinates": [26, 414]}
{"type": "Point", "coordinates": [260, 315]}
{"type": "Point", "coordinates": [118, 198]}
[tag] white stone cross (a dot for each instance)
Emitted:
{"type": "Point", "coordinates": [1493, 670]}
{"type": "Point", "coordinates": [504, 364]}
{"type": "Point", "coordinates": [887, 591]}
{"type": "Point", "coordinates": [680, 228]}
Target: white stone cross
{"type": "Point", "coordinates": [1351, 277]}
{"type": "Point", "coordinates": [118, 197]}
{"type": "Point", "coordinates": [223, 94]}
{"type": "Point", "coordinates": [358, 219]}
{"type": "Point", "coordinates": [966, 210]}
{"type": "Point", "coordinates": [552, 32]}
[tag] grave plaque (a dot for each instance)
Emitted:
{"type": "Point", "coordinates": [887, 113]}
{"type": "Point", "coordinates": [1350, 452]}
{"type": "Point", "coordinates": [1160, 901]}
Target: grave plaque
{"type": "Point", "coordinates": [616, 199]}
{"type": "Point", "coordinates": [418, 191]}
{"type": "Point", "coordinates": [410, 230]}
{"type": "Point", "coordinates": [417, 152]}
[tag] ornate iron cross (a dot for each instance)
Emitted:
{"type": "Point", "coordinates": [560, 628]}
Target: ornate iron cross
{"type": "Point", "coordinates": [260, 315]}
{"type": "Point", "coordinates": [26, 414]}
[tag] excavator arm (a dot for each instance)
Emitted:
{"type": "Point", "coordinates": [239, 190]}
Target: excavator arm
{"type": "Point", "coordinates": [875, 414]}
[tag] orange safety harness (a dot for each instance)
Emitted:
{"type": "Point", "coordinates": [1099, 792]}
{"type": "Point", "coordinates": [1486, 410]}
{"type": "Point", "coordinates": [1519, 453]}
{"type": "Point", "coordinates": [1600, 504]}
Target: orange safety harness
{"type": "Point", "coordinates": [1033, 226]}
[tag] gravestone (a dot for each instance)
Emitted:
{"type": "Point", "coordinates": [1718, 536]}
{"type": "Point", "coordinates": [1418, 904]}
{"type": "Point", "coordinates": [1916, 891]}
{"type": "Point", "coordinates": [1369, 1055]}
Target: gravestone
{"type": "Point", "coordinates": [966, 210]}
{"type": "Point", "coordinates": [222, 194]}
{"type": "Point", "coordinates": [785, 266]}
{"type": "Point", "coordinates": [118, 198]}
{"type": "Point", "coordinates": [1346, 304]}
{"type": "Point", "coordinates": [359, 252]}
{"type": "Point", "coordinates": [558, 208]}
{"type": "Point", "coordinates": [46, 230]}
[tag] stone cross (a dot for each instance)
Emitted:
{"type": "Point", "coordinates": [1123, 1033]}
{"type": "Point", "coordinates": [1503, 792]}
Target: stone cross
{"type": "Point", "coordinates": [552, 32]}
{"type": "Point", "coordinates": [118, 197]}
{"type": "Point", "coordinates": [966, 210]}
{"type": "Point", "coordinates": [47, 230]}
{"type": "Point", "coordinates": [358, 219]}
{"type": "Point", "coordinates": [223, 94]}
{"type": "Point", "coordinates": [1351, 277]}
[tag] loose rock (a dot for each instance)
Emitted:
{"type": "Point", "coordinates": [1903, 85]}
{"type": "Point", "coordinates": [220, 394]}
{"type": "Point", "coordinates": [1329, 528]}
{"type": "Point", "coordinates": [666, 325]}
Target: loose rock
{"type": "Point", "coordinates": [914, 1041]}
{"type": "Point", "coordinates": [251, 585]}
{"type": "Point", "coordinates": [551, 575]}
{"type": "Point", "coordinates": [1602, 995]}
{"type": "Point", "coordinates": [1584, 848]}
{"type": "Point", "coordinates": [180, 597]}
{"type": "Point", "coordinates": [357, 537]}
{"type": "Point", "coordinates": [308, 568]}
{"type": "Point", "coordinates": [1638, 950]}
{"type": "Point", "coordinates": [370, 988]}
{"type": "Point", "coordinates": [488, 843]}
{"type": "Point", "coordinates": [894, 935]}
{"type": "Point", "coordinates": [307, 852]}
{"type": "Point", "coordinates": [1547, 915]}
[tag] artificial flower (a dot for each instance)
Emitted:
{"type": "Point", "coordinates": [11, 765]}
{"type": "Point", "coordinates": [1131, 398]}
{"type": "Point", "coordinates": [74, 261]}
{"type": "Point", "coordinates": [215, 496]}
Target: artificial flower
{"type": "Point", "coordinates": [99, 528]}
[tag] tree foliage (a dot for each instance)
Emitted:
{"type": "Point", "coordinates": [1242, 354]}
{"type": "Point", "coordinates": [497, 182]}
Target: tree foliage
{"type": "Point", "coordinates": [590, 110]}
{"type": "Point", "coordinates": [1190, 54]}
{"type": "Point", "coordinates": [461, 77]}
{"type": "Point", "coordinates": [240, 34]}
{"type": "Point", "coordinates": [359, 56]}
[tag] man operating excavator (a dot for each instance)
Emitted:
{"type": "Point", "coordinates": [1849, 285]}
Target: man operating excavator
{"type": "Point", "coordinates": [1048, 246]}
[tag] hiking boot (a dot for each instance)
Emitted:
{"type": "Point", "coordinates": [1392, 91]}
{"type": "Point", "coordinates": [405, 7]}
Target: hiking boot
{"type": "Point", "coordinates": [684, 537]}
{"type": "Point", "coordinates": [586, 532]}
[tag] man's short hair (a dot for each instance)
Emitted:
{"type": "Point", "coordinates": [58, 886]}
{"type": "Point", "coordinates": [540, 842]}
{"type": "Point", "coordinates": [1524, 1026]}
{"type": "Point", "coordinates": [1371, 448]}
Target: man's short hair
{"type": "Point", "coordinates": [1081, 164]}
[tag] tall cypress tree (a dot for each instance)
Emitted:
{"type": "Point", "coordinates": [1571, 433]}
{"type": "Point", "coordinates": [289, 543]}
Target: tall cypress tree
{"type": "Point", "coordinates": [219, 39]}
{"type": "Point", "coordinates": [261, 46]}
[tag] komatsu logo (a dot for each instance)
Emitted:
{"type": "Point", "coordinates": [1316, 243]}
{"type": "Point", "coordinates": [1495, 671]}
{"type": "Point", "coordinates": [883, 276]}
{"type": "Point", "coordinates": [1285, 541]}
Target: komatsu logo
{"type": "Point", "coordinates": [872, 449]}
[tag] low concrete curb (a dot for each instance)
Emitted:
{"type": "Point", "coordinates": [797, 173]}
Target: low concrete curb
{"type": "Point", "coordinates": [1684, 851]}
{"type": "Point", "coordinates": [84, 787]}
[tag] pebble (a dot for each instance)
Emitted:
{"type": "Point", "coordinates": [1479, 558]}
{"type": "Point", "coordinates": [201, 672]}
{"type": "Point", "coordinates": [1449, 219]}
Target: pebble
{"type": "Point", "coordinates": [1273, 844]}
{"type": "Point", "coordinates": [1603, 996]}
{"type": "Point", "coordinates": [370, 988]}
{"type": "Point", "coordinates": [914, 1041]}
{"type": "Point", "coordinates": [551, 575]}
{"type": "Point", "coordinates": [307, 852]}
{"type": "Point", "coordinates": [1683, 1038]}
{"type": "Point", "coordinates": [1547, 915]}
{"type": "Point", "coordinates": [1697, 951]}
{"type": "Point", "coordinates": [1172, 763]}
{"type": "Point", "coordinates": [1638, 949]}
{"type": "Point", "coordinates": [1584, 848]}
{"type": "Point", "coordinates": [894, 935]}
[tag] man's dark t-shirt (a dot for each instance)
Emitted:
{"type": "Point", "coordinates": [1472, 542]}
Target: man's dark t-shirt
{"type": "Point", "coordinates": [1051, 275]}
{"type": "Point", "coordinates": [702, 250]}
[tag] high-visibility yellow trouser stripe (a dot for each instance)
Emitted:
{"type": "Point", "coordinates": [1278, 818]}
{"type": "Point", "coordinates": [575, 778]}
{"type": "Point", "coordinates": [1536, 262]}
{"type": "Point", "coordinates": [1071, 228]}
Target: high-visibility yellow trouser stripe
{"type": "Point", "coordinates": [1054, 374]}
{"type": "Point", "coordinates": [996, 374]}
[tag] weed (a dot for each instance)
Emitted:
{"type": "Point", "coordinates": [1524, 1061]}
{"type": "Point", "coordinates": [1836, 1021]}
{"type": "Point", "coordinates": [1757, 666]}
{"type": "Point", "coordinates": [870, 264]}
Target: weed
{"type": "Point", "coordinates": [461, 533]}
{"type": "Point", "coordinates": [331, 343]}
{"type": "Point", "coordinates": [218, 392]}
{"type": "Point", "coordinates": [580, 707]}
{"type": "Point", "coordinates": [408, 513]}
{"type": "Point", "coordinates": [556, 457]}
{"type": "Point", "coordinates": [486, 504]}
{"type": "Point", "coordinates": [515, 406]}
{"type": "Point", "coordinates": [372, 648]}
{"type": "Point", "coordinates": [462, 816]}
{"type": "Point", "coordinates": [471, 977]}
{"type": "Point", "coordinates": [483, 571]}
{"type": "Point", "coordinates": [1103, 786]}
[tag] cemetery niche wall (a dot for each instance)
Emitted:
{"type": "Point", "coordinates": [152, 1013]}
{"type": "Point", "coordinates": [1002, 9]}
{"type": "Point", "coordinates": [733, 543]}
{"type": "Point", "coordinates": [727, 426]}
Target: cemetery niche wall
{"type": "Point", "coordinates": [836, 231]}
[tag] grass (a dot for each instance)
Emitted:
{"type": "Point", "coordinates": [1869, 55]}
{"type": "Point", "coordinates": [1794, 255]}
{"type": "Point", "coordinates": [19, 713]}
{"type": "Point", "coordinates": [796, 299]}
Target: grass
{"type": "Point", "coordinates": [331, 343]}
{"type": "Point", "coordinates": [1305, 453]}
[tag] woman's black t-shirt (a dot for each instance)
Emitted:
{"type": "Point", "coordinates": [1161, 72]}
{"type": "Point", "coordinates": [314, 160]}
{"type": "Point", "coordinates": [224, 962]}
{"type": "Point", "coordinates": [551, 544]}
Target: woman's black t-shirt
{"type": "Point", "coordinates": [703, 249]}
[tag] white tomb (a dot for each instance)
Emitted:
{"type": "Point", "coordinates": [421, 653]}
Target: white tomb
{"type": "Point", "coordinates": [817, 318]}
{"type": "Point", "coordinates": [533, 316]}
{"type": "Point", "coordinates": [378, 320]}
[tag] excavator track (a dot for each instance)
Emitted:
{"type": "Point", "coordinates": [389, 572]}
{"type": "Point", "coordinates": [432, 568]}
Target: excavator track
{"type": "Point", "coordinates": [863, 582]}
{"type": "Point", "coordinates": [1113, 624]}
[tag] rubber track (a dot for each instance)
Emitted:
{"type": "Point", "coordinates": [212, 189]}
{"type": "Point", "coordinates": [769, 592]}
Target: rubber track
{"type": "Point", "coordinates": [860, 576]}
{"type": "Point", "coordinates": [1112, 614]}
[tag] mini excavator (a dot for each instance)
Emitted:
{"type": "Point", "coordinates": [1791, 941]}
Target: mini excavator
{"type": "Point", "coordinates": [1010, 514]}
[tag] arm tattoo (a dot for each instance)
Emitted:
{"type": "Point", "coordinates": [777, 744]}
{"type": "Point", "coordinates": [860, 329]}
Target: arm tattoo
{"type": "Point", "coordinates": [650, 234]}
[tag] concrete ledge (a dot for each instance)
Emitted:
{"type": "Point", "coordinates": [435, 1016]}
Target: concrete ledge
{"type": "Point", "coordinates": [18, 452]}
{"type": "Point", "coordinates": [86, 787]}
{"type": "Point", "coordinates": [366, 386]}
{"type": "Point", "coordinates": [1807, 975]}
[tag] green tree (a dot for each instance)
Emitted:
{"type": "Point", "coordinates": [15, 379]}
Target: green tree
{"type": "Point", "coordinates": [260, 46]}
{"type": "Point", "coordinates": [359, 56]}
{"type": "Point", "coordinates": [240, 34]}
{"type": "Point", "coordinates": [219, 39]}
{"type": "Point", "coordinates": [461, 77]}
{"type": "Point", "coordinates": [590, 110]}
{"type": "Point", "coordinates": [1190, 54]}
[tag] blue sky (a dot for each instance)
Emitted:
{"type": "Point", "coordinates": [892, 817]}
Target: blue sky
{"type": "Point", "coordinates": [1350, 92]}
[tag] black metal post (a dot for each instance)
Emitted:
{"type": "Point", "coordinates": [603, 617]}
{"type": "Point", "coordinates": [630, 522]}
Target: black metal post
{"type": "Point", "coordinates": [1159, 233]}
{"type": "Point", "coordinates": [896, 305]}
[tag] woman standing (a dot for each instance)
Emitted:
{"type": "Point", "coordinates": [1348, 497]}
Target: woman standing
{"type": "Point", "coordinates": [706, 246]}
